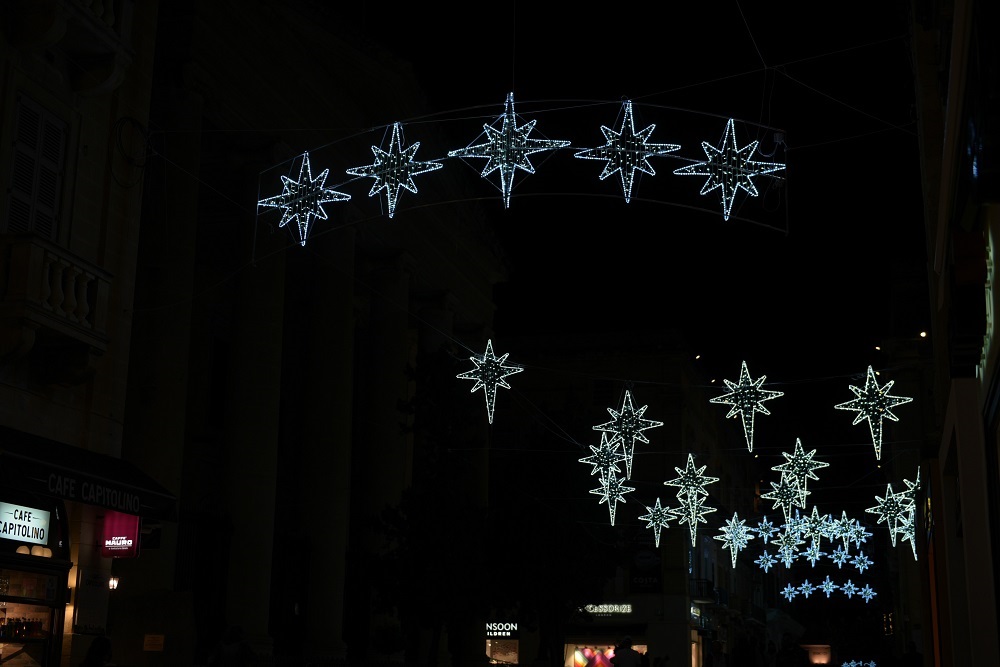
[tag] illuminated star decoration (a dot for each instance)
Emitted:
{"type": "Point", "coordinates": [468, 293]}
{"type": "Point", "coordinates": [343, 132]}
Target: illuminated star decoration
{"type": "Point", "coordinates": [692, 511]}
{"type": "Point", "coordinates": [766, 529]}
{"type": "Point", "coordinates": [800, 467]}
{"type": "Point", "coordinates": [626, 151]}
{"type": "Point", "coordinates": [766, 561]}
{"type": "Point", "coordinates": [489, 374]}
{"type": "Point", "coordinates": [627, 427]}
{"type": "Point", "coordinates": [867, 592]}
{"type": "Point", "coordinates": [395, 169]}
{"type": "Point", "coordinates": [790, 592]}
{"type": "Point", "coordinates": [303, 200]}
{"type": "Point", "coordinates": [747, 398]}
{"type": "Point", "coordinates": [806, 588]}
{"type": "Point", "coordinates": [508, 148]}
{"type": "Point", "coordinates": [891, 510]}
{"type": "Point", "coordinates": [729, 168]}
{"type": "Point", "coordinates": [735, 536]}
{"type": "Point", "coordinates": [874, 403]}
{"type": "Point", "coordinates": [605, 458]}
{"type": "Point", "coordinates": [785, 493]}
{"type": "Point", "coordinates": [657, 517]}
{"type": "Point", "coordinates": [849, 588]}
{"type": "Point", "coordinates": [907, 522]}
{"type": "Point", "coordinates": [827, 586]}
{"type": "Point", "coordinates": [612, 491]}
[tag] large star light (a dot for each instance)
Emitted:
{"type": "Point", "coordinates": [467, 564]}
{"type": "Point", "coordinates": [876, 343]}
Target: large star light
{"type": "Point", "coordinates": [735, 535]}
{"type": "Point", "coordinates": [605, 458]}
{"type": "Point", "coordinates": [395, 169]}
{"type": "Point", "coordinates": [747, 398]}
{"type": "Point", "coordinates": [627, 151]}
{"type": "Point", "coordinates": [508, 148]}
{"type": "Point", "coordinates": [800, 467]}
{"type": "Point", "coordinates": [657, 516]}
{"type": "Point", "coordinates": [729, 168]}
{"type": "Point", "coordinates": [691, 481]}
{"type": "Point", "coordinates": [891, 510]}
{"type": "Point", "coordinates": [785, 494]}
{"type": "Point", "coordinates": [874, 403]}
{"type": "Point", "coordinates": [303, 200]}
{"type": "Point", "coordinates": [612, 492]}
{"type": "Point", "coordinates": [627, 426]}
{"type": "Point", "coordinates": [692, 511]}
{"type": "Point", "coordinates": [489, 374]}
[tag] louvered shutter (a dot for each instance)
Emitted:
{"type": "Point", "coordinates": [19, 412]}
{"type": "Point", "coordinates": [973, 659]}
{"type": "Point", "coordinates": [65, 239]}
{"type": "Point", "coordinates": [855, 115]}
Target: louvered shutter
{"type": "Point", "coordinates": [36, 172]}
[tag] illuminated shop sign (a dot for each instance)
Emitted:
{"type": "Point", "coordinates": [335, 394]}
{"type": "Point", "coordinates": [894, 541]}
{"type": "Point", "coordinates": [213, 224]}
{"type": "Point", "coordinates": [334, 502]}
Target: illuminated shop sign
{"type": "Point", "coordinates": [93, 492]}
{"type": "Point", "coordinates": [120, 535]}
{"type": "Point", "coordinates": [501, 629]}
{"type": "Point", "coordinates": [24, 524]}
{"type": "Point", "coordinates": [608, 609]}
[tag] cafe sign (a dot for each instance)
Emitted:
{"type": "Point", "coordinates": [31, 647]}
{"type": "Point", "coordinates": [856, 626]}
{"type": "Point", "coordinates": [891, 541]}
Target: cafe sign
{"type": "Point", "coordinates": [24, 524]}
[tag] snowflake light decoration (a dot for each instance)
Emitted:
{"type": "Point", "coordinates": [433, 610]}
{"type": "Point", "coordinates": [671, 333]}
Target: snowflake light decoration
{"type": "Point", "coordinates": [800, 467]}
{"type": "Point", "coordinates": [874, 403]}
{"type": "Point", "coordinates": [747, 398]}
{"type": "Point", "coordinates": [657, 516]}
{"type": "Point", "coordinates": [612, 492]}
{"type": "Point", "coordinates": [394, 169]}
{"type": "Point", "coordinates": [508, 148]}
{"type": "Point", "coordinates": [729, 168]}
{"type": "Point", "coordinates": [627, 151]}
{"type": "Point", "coordinates": [735, 536]}
{"type": "Point", "coordinates": [490, 373]}
{"type": "Point", "coordinates": [627, 427]}
{"type": "Point", "coordinates": [605, 458]}
{"type": "Point", "coordinates": [301, 201]}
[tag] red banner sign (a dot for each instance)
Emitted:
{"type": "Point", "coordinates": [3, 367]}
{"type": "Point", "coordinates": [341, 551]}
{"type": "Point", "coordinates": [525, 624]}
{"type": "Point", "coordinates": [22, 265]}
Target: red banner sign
{"type": "Point", "coordinates": [120, 537]}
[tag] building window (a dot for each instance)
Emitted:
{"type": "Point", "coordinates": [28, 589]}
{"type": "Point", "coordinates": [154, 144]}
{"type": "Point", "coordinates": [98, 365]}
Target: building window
{"type": "Point", "coordinates": [39, 156]}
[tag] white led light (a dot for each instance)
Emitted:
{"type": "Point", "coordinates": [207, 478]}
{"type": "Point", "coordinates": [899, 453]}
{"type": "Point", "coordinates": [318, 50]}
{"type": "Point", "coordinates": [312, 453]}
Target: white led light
{"type": "Point", "coordinates": [489, 374]}
{"type": "Point", "coordinates": [735, 536]}
{"type": "Point", "coordinates": [747, 398]}
{"type": "Point", "coordinates": [612, 491]}
{"type": "Point", "coordinates": [605, 458]}
{"type": "Point", "coordinates": [874, 403]}
{"type": "Point", "coordinates": [657, 516]}
{"type": "Point", "coordinates": [303, 200]}
{"type": "Point", "coordinates": [627, 427]}
{"type": "Point", "coordinates": [800, 467]}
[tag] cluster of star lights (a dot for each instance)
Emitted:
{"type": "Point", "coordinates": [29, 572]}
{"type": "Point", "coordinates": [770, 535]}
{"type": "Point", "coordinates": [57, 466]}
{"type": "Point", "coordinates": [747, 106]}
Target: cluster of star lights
{"type": "Point", "coordinates": [506, 149]}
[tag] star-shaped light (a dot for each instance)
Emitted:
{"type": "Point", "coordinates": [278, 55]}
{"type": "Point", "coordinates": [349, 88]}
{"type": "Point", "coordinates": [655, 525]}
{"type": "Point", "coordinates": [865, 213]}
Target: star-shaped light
{"type": "Point", "coordinates": [657, 516]}
{"type": "Point", "coordinates": [303, 200]}
{"type": "Point", "coordinates": [627, 427]}
{"type": "Point", "coordinates": [395, 169]}
{"type": "Point", "coordinates": [729, 168]}
{"type": "Point", "coordinates": [841, 528]}
{"type": "Point", "coordinates": [907, 531]}
{"type": "Point", "coordinates": [765, 529]}
{"type": "Point", "coordinates": [605, 458]}
{"type": "Point", "coordinates": [692, 511]}
{"type": "Point", "coordinates": [890, 509]}
{"type": "Point", "coordinates": [747, 398]}
{"type": "Point", "coordinates": [849, 588]}
{"type": "Point", "coordinates": [806, 588]}
{"type": "Point", "coordinates": [627, 151]}
{"type": "Point", "coordinates": [612, 492]}
{"type": "Point", "coordinates": [867, 592]}
{"type": "Point", "coordinates": [812, 553]}
{"type": "Point", "coordinates": [827, 586]}
{"type": "Point", "coordinates": [858, 534]}
{"type": "Point", "coordinates": [800, 467]}
{"type": "Point", "coordinates": [735, 536]}
{"type": "Point", "coordinates": [691, 481]}
{"type": "Point", "coordinates": [508, 148]}
{"type": "Point", "coordinates": [840, 556]}
{"type": "Point", "coordinates": [766, 561]}
{"type": "Point", "coordinates": [874, 403]}
{"type": "Point", "coordinates": [785, 493]}
{"type": "Point", "coordinates": [862, 562]}
{"type": "Point", "coordinates": [489, 374]}
{"type": "Point", "coordinates": [815, 527]}
{"type": "Point", "coordinates": [790, 592]}
{"type": "Point", "coordinates": [909, 497]}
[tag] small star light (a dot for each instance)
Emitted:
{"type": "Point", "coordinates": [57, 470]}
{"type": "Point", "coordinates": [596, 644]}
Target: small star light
{"type": "Point", "coordinates": [889, 509]}
{"type": "Point", "coordinates": [908, 532]}
{"type": "Point", "coordinates": [827, 586]}
{"type": "Point", "coordinates": [395, 169]}
{"type": "Point", "coordinates": [489, 374]}
{"type": "Point", "coordinates": [729, 168]}
{"type": "Point", "coordinates": [657, 517]}
{"type": "Point", "coordinates": [813, 554]}
{"type": "Point", "coordinates": [862, 562]}
{"type": "Point", "coordinates": [841, 529]}
{"type": "Point", "coordinates": [605, 458]}
{"type": "Point", "coordinates": [790, 592]}
{"type": "Point", "coordinates": [867, 592]}
{"type": "Point", "coordinates": [766, 561]}
{"type": "Point", "coordinates": [840, 556]}
{"type": "Point", "coordinates": [735, 536]}
{"type": "Point", "coordinates": [626, 151]}
{"type": "Point", "coordinates": [612, 491]}
{"type": "Point", "coordinates": [858, 534]}
{"type": "Point", "coordinates": [508, 148]}
{"type": "Point", "coordinates": [303, 200]}
{"type": "Point", "coordinates": [691, 481]}
{"type": "Point", "coordinates": [627, 427]}
{"type": "Point", "coordinates": [785, 493]}
{"type": "Point", "coordinates": [849, 589]}
{"type": "Point", "coordinates": [800, 466]}
{"type": "Point", "coordinates": [746, 398]}
{"type": "Point", "coordinates": [692, 511]}
{"type": "Point", "coordinates": [874, 403]}
{"type": "Point", "coordinates": [765, 529]}
{"type": "Point", "coordinates": [815, 527]}
{"type": "Point", "coordinates": [806, 588]}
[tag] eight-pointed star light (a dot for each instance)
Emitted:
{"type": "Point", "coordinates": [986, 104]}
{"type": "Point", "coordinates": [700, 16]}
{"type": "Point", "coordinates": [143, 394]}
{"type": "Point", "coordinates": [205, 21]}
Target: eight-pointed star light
{"type": "Point", "coordinates": [303, 200]}
{"type": "Point", "coordinates": [800, 466]}
{"type": "Point", "coordinates": [394, 169]}
{"type": "Point", "coordinates": [874, 403]}
{"type": "Point", "coordinates": [747, 398]}
{"type": "Point", "coordinates": [489, 374]}
{"type": "Point", "coordinates": [729, 168]}
{"type": "Point", "coordinates": [657, 516]}
{"type": "Point", "coordinates": [627, 151]}
{"type": "Point", "coordinates": [508, 148]}
{"type": "Point", "coordinates": [627, 427]}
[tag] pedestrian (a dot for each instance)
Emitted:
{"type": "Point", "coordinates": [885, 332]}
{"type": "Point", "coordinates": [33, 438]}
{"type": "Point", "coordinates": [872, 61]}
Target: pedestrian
{"type": "Point", "coordinates": [625, 655]}
{"type": "Point", "coordinates": [99, 653]}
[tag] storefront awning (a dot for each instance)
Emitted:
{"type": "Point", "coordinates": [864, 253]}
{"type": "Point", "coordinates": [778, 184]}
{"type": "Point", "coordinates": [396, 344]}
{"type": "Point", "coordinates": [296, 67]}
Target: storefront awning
{"type": "Point", "coordinates": [38, 465]}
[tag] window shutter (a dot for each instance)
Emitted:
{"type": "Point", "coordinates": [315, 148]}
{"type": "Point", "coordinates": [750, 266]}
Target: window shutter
{"type": "Point", "coordinates": [36, 173]}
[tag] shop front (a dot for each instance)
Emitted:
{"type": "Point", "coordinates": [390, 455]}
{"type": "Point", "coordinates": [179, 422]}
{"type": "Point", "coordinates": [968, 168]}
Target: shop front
{"type": "Point", "coordinates": [65, 514]}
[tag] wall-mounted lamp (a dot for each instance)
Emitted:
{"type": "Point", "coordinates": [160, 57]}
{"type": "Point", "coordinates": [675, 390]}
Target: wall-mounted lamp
{"type": "Point", "coordinates": [112, 583]}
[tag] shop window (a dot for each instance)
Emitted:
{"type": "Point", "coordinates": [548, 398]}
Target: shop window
{"type": "Point", "coordinates": [38, 158]}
